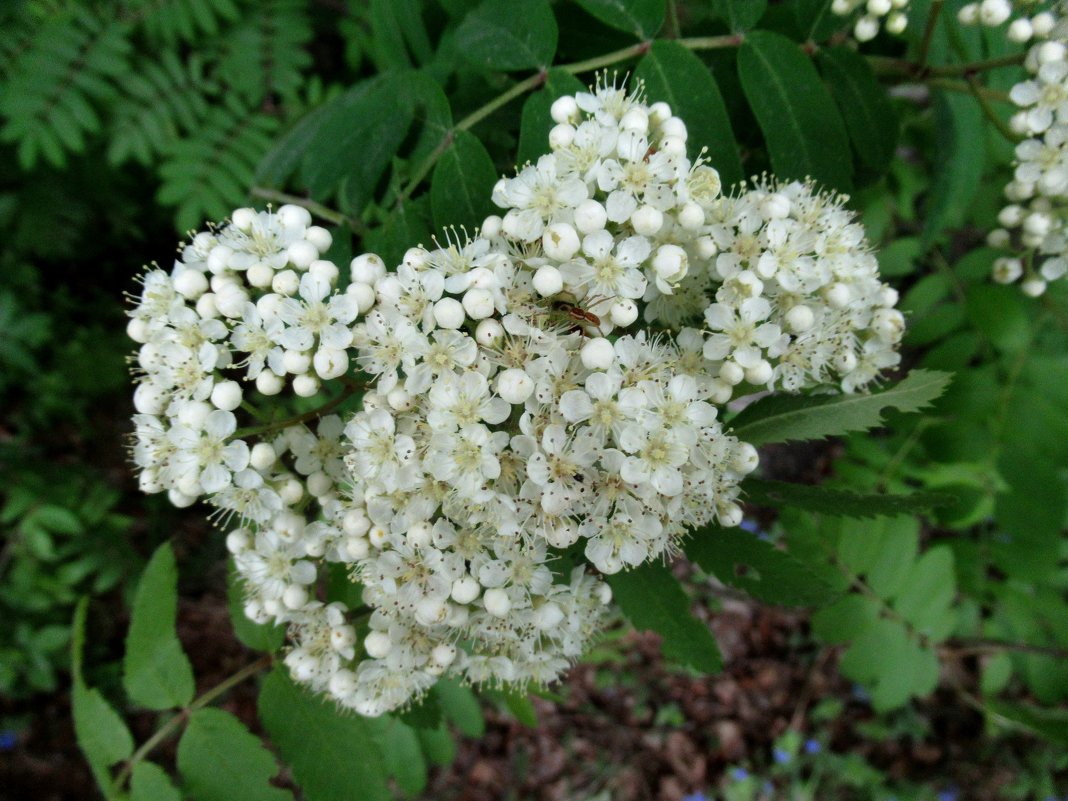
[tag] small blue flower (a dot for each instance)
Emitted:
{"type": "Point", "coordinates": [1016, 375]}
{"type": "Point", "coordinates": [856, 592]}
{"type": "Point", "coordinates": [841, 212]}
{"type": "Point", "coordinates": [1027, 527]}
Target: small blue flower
{"type": "Point", "coordinates": [949, 794]}
{"type": "Point", "coordinates": [813, 746]}
{"type": "Point", "coordinates": [698, 796]}
{"type": "Point", "coordinates": [781, 756]}
{"type": "Point", "coordinates": [8, 740]}
{"type": "Point", "coordinates": [749, 525]}
{"type": "Point", "coordinates": [739, 774]}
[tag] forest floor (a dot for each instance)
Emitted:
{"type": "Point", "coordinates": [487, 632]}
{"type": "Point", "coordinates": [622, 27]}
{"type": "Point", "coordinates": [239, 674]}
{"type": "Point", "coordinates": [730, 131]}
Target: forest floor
{"type": "Point", "coordinates": [628, 727]}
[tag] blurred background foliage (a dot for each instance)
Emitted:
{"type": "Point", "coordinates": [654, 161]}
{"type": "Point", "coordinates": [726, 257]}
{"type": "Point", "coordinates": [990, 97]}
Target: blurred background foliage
{"type": "Point", "coordinates": [124, 123]}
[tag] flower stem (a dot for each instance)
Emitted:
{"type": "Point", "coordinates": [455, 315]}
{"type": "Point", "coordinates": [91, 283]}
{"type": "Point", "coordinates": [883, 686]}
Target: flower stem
{"type": "Point", "coordinates": [351, 388]}
{"type": "Point", "coordinates": [928, 32]}
{"type": "Point", "coordinates": [970, 67]}
{"type": "Point", "coordinates": [318, 209]}
{"type": "Point", "coordinates": [533, 82]}
{"type": "Point", "coordinates": [988, 110]}
{"type": "Point", "coordinates": [176, 722]}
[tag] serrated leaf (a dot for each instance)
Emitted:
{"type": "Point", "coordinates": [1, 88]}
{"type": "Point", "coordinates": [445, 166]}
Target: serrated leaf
{"type": "Point", "coordinates": [403, 753]}
{"type": "Point", "coordinates": [461, 707]}
{"type": "Point", "coordinates": [884, 658]}
{"type": "Point", "coordinates": [643, 18]}
{"type": "Point", "coordinates": [957, 165]}
{"type": "Point", "coordinates": [438, 745]}
{"type": "Point", "coordinates": [846, 618]}
{"type": "Point", "coordinates": [803, 130]}
{"type": "Point", "coordinates": [150, 782]}
{"type": "Point", "coordinates": [738, 558]}
{"type": "Point", "coordinates": [156, 672]}
{"type": "Point", "coordinates": [101, 733]}
{"type": "Point", "coordinates": [509, 35]}
{"type": "Point", "coordinates": [1051, 724]}
{"type": "Point", "coordinates": [221, 760]}
{"type": "Point", "coordinates": [462, 184]}
{"type": "Point", "coordinates": [841, 502]}
{"type": "Point", "coordinates": [355, 139]}
{"type": "Point", "coordinates": [652, 599]}
{"type": "Point", "coordinates": [536, 121]}
{"type": "Point", "coordinates": [740, 15]}
{"type": "Point", "coordinates": [675, 75]}
{"type": "Point", "coordinates": [865, 106]}
{"type": "Point", "coordinates": [924, 597]}
{"type": "Point", "coordinates": [257, 636]}
{"type": "Point", "coordinates": [330, 753]}
{"type": "Point", "coordinates": [784, 418]}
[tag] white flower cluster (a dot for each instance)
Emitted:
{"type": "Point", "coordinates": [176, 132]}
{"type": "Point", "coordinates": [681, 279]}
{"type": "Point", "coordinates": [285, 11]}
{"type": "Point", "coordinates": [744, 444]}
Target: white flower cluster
{"type": "Point", "coordinates": [254, 301]}
{"type": "Point", "coordinates": [993, 13]}
{"type": "Point", "coordinates": [893, 14]}
{"type": "Point", "coordinates": [1035, 222]}
{"type": "Point", "coordinates": [541, 402]}
{"type": "Point", "coordinates": [798, 300]}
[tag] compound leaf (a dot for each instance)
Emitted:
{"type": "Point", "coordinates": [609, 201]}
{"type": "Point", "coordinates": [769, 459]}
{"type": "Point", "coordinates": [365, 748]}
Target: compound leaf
{"type": "Point", "coordinates": [782, 418]}
{"type": "Point", "coordinates": [156, 672]}
{"type": "Point", "coordinates": [221, 760]}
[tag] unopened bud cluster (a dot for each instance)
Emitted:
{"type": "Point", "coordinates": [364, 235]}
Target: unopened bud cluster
{"type": "Point", "coordinates": [541, 399]}
{"type": "Point", "coordinates": [1033, 224]}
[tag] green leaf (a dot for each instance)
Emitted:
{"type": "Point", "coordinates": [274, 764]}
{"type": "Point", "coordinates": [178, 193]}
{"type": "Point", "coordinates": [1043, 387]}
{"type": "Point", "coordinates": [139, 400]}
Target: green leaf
{"type": "Point", "coordinates": [354, 140]}
{"type": "Point", "coordinates": [536, 122]}
{"type": "Point", "coordinates": [509, 35]}
{"type": "Point", "coordinates": [643, 18]}
{"type": "Point", "coordinates": [407, 226]}
{"type": "Point", "coordinates": [675, 75]}
{"type": "Point", "coordinates": [841, 502]}
{"type": "Point", "coordinates": [220, 760]}
{"type": "Point", "coordinates": [462, 184]}
{"type": "Point", "coordinates": [403, 753]}
{"type": "Point", "coordinates": [925, 596]}
{"type": "Point", "coordinates": [101, 733]}
{"type": "Point", "coordinates": [156, 671]}
{"type": "Point", "coordinates": [815, 20]}
{"type": "Point", "coordinates": [846, 618]}
{"type": "Point", "coordinates": [782, 418]}
{"type": "Point", "coordinates": [438, 745]}
{"type": "Point", "coordinates": [740, 15]}
{"type": "Point", "coordinates": [422, 714]}
{"type": "Point", "coordinates": [652, 599]}
{"type": "Point", "coordinates": [257, 636]}
{"type": "Point", "coordinates": [150, 782]}
{"type": "Point", "coordinates": [1051, 724]}
{"type": "Point", "coordinates": [883, 657]}
{"type": "Point", "coordinates": [803, 130]}
{"type": "Point", "coordinates": [58, 519]}
{"type": "Point", "coordinates": [884, 551]}
{"type": "Point", "coordinates": [330, 753]}
{"type": "Point", "coordinates": [865, 106]}
{"type": "Point", "coordinates": [957, 164]}
{"type": "Point", "coordinates": [740, 559]}
{"type": "Point", "coordinates": [461, 707]}
{"type": "Point", "coordinates": [517, 702]}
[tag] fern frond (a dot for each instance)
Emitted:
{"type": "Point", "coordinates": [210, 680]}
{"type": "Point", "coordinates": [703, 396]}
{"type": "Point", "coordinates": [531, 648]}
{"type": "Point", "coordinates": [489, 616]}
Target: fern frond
{"type": "Point", "coordinates": [48, 101]}
{"type": "Point", "coordinates": [264, 54]}
{"type": "Point", "coordinates": [209, 172]}
{"type": "Point", "coordinates": [161, 100]}
{"type": "Point", "coordinates": [170, 21]}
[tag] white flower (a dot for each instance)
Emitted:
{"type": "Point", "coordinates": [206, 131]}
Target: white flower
{"type": "Point", "coordinates": [203, 459]}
